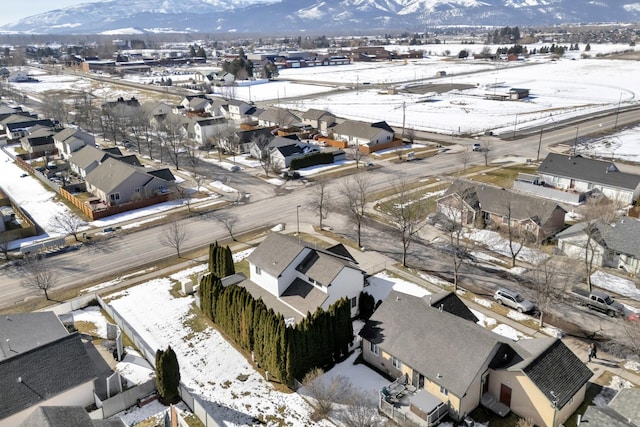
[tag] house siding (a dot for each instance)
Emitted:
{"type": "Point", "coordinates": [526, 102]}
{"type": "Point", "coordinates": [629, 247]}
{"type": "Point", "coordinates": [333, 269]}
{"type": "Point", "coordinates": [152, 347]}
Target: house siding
{"type": "Point", "coordinates": [348, 283]}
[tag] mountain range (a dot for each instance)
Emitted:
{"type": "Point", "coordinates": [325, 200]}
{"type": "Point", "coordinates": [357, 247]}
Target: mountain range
{"type": "Point", "coordinates": [315, 16]}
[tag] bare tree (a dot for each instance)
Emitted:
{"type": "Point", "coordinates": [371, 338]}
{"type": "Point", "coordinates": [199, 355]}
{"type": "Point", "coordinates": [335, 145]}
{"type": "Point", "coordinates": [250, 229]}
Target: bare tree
{"type": "Point", "coordinates": [86, 111]}
{"type": "Point", "coordinates": [598, 213]}
{"type": "Point", "coordinates": [547, 285]}
{"type": "Point", "coordinates": [354, 192]}
{"type": "Point", "coordinates": [54, 105]}
{"type": "Point", "coordinates": [265, 159]}
{"type": "Point", "coordinates": [356, 153]}
{"type": "Point", "coordinates": [360, 410]}
{"type": "Point", "coordinates": [407, 214]}
{"type": "Point", "coordinates": [39, 274]}
{"type": "Point", "coordinates": [464, 158]}
{"type": "Point", "coordinates": [141, 130]}
{"type": "Point", "coordinates": [486, 151]}
{"type": "Point", "coordinates": [324, 394]}
{"type": "Point", "coordinates": [410, 135]}
{"type": "Point", "coordinates": [320, 201]}
{"type": "Point", "coordinates": [174, 132]}
{"type": "Point", "coordinates": [5, 241]}
{"type": "Point", "coordinates": [173, 235]}
{"type": "Point", "coordinates": [229, 221]}
{"type": "Point", "coordinates": [454, 216]}
{"type": "Point", "coordinates": [68, 224]}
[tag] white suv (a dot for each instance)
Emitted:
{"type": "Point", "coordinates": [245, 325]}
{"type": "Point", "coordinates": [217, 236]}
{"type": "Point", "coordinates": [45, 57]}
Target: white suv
{"type": "Point", "coordinates": [514, 300]}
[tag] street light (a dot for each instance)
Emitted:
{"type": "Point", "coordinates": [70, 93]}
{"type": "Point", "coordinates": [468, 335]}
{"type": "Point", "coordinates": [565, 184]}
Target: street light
{"type": "Point", "coordinates": [298, 221]}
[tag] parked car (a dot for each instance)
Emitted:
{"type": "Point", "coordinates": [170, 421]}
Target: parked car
{"type": "Point", "coordinates": [477, 147]}
{"type": "Point", "coordinates": [513, 300]}
{"type": "Point", "coordinates": [599, 301]}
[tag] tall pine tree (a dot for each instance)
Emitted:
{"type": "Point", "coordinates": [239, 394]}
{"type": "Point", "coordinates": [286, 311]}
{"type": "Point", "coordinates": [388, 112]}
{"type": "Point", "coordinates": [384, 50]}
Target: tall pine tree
{"type": "Point", "coordinates": [167, 376]}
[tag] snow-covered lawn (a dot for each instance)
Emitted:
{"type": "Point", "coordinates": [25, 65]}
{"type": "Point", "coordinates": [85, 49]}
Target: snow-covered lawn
{"type": "Point", "coordinates": [493, 240]}
{"type": "Point", "coordinates": [616, 284]}
{"type": "Point", "coordinates": [231, 389]}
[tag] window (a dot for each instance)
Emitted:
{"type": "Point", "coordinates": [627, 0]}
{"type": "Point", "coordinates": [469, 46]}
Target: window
{"type": "Point", "coordinates": [257, 270]}
{"type": "Point", "coordinates": [114, 197]}
{"type": "Point", "coordinates": [444, 391]}
{"type": "Point", "coordinates": [354, 302]}
{"type": "Point", "coordinates": [137, 189]}
{"type": "Point", "coordinates": [396, 363]}
{"type": "Point", "coordinates": [374, 349]}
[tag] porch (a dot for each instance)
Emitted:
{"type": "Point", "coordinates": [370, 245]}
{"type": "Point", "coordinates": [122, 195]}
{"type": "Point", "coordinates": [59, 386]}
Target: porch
{"type": "Point", "coordinates": [409, 406]}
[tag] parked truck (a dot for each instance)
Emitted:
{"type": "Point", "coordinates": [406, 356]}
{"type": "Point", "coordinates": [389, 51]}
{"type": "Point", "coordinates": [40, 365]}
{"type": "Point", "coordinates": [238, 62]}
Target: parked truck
{"type": "Point", "coordinates": [599, 301]}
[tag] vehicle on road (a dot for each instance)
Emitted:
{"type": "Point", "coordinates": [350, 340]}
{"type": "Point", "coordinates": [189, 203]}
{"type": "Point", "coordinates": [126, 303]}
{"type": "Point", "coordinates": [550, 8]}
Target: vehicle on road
{"type": "Point", "coordinates": [599, 300]}
{"type": "Point", "coordinates": [477, 147]}
{"type": "Point", "coordinates": [513, 300]}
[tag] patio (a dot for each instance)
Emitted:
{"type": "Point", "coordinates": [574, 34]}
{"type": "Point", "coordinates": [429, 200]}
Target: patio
{"type": "Point", "coordinates": [403, 402]}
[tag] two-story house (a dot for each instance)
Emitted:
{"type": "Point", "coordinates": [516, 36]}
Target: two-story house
{"type": "Point", "coordinates": [435, 343]}
{"type": "Point", "coordinates": [70, 140]}
{"type": "Point", "coordinates": [297, 278]}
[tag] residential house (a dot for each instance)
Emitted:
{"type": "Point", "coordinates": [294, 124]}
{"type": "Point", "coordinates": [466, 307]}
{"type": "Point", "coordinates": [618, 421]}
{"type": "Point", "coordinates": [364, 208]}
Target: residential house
{"type": "Point", "coordinates": [41, 364]}
{"type": "Point", "coordinates": [243, 141]}
{"type": "Point", "coordinates": [241, 112]}
{"type": "Point", "coordinates": [16, 126]}
{"type": "Point", "coordinates": [282, 155]}
{"type": "Point", "coordinates": [70, 140]}
{"type": "Point", "coordinates": [447, 357]}
{"type": "Point", "coordinates": [122, 108]}
{"type": "Point", "coordinates": [157, 112]}
{"type": "Point", "coordinates": [83, 161]}
{"type": "Point", "coordinates": [216, 77]}
{"type": "Point", "coordinates": [39, 141]}
{"type": "Point", "coordinates": [363, 134]}
{"type": "Point", "coordinates": [217, 107]}
{"type": "Point", "coordinates": [318, 119]}
{"type": "Point", "coordinates": [19, 76]}
{"type": "Point", "coordinates": [622, 411]}
{"type": "Point", "coordinates": [295, 278]}
{"type": "Point", "coordinates": [203, 129]}
{"type": "Point", "coordinates": [500, 208]}
{"type": "Point", "coordinates": [279, 117]}
{"type": "Point", "coordinates": [115, 182]}
{"type": "Point", "coordinates": [66, 416]}
{"type": "Point", "coordinates": [611, 245]}
{"type": "Point", "coordinates": [581, 174]}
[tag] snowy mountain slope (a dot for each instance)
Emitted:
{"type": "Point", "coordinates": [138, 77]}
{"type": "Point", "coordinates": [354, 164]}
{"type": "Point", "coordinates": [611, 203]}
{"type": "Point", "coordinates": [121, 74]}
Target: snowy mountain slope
{"type": "Point", "coordinates": [318, 16]}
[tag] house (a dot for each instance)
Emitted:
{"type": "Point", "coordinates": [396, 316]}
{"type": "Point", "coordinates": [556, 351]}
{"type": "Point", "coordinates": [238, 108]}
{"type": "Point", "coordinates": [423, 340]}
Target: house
{"type": "Point", "coordinates": [622, 411]}
{"type": "Point", "coordinates": [116, 182]}
{"type": "Point", "coordinates": [17, 126]}
{"type": "Point", "coordinates": [581, 174]}
{"type": "Point", "coordinates": [39, 141]}
{"type": "Point", "coordinates": [70, 140]}
{"type": "Point", "coordinates": [363, 134]}
{"type": "Point", "coordinates": [122, 108]}
{"type": "Point", "coordinates": [241, 112]}
{"type": "Point", "coordinates": [41, 364]}
{"type": "Point", "coordinates": [215, 77]}
{"type": "Point", "coordinates": [282, 155]}
{"type": "Point", "coordinates": [19, 76]}
{"type": "Point", "coordinates": [318, 119]}
{"type": "Point", "coordinates": [279, 117]}
{"type": "Point", "coordinates": [243, 141]}
{"type": "Point", "coordinates": [66, 416]}
{"type": "Point", "coordinates": [539, 379]}
{"type": "Point", "coordinates": [89, 157]}
{"type": "Point", "coordinates": [611, 245]}
{"type": "Point", "coordinates": [294, 278]}
{"type": "Point", "coordinates": [206, 128]}
{"type": "Point", "coordinates": [500, 208]}
{"type": "Point", "coordinates": [157, 112]}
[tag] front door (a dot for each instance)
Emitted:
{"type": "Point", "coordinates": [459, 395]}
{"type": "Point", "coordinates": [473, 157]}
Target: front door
{"type": "Point", "coordinates": [417, 380]}
{"type": "Point", "coordinates": [505, 395]}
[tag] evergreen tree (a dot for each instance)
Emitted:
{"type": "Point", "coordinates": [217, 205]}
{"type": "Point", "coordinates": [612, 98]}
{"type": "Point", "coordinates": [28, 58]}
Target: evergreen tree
{"type": "Point", "coordinates": [167, 376]}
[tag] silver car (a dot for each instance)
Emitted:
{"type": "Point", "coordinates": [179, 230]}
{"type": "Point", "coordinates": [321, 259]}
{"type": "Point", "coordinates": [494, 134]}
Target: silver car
{"type": "Point", "coordinates": [514, 300]}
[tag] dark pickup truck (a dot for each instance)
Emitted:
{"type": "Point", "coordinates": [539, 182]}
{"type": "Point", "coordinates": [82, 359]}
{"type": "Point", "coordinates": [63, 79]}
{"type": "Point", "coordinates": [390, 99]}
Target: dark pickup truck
{"type": "Point", "coordinates": [599, 301]}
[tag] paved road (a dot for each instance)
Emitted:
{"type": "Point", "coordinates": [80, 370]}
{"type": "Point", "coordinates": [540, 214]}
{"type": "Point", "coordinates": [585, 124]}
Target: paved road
{"type": "Point", "coordinates": [128, 251]}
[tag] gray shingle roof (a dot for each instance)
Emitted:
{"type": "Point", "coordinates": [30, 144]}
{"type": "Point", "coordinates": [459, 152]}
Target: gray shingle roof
{"type": "Point", "coordinates": [627, 404]}
{"type": "Point", "coordinates": [275, 253]}
{"type": "Point", "coordinates": [406, 326]}
{"type": "Point", "coordinates": [589, 170]}
{"type": "Point", "coordinates": [604, 416]}
{"type": "Point", "coordinates": [22, 332]}
{"type": "Point", "coordinates": [623, 237]}
{"type": "Point", "coordinates": [315, 114]}
{"type": "Point", "coordinates": [518, 206]}
{"type": "Point", "coordinates": [39, 374]}
{"type": "Point", "coordinates": [110, 174]}
{"type": "Point", "coordinates": [560, 371]}
{"type": "Point", "coordinates": [361, 129]}
{"type": "Point", "coordinates": [87, 155]}
{"type": "Point", "coordinates": [65, 416]}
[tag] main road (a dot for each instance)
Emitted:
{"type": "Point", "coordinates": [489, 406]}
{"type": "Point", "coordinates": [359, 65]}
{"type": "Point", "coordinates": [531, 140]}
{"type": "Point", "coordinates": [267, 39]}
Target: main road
{"type": "Point", "coordinates": [127, 252]}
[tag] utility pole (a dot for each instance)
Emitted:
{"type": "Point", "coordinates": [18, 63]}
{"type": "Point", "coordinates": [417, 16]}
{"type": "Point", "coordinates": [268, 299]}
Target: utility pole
{"type": "Point", "coordinates": [615, 126]}
{"type": "Point", "coordinates": [539, 144]}
{"type": "Point", "coordinates": [514, 126]}
{"type": "Point", "coordinates": [404, 106]}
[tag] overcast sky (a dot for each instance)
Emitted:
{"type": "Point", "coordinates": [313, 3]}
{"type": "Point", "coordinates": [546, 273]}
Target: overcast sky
{"type": "Point", "coordinates": [13, 10]}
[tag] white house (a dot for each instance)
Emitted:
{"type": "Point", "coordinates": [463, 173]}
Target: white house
{"type": "Point", "coordinates": [70, 140]}
{"type": "Point", "coordinates": [363, 133]}
{"type": "Point", "coordinates": [581, 175]}
{"type": "Point", "coordinates": [305, 278]}
{"type": "Point", "coordinates": [240, 111]}
{"type": "Point", "coordinates": [205, 128]}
